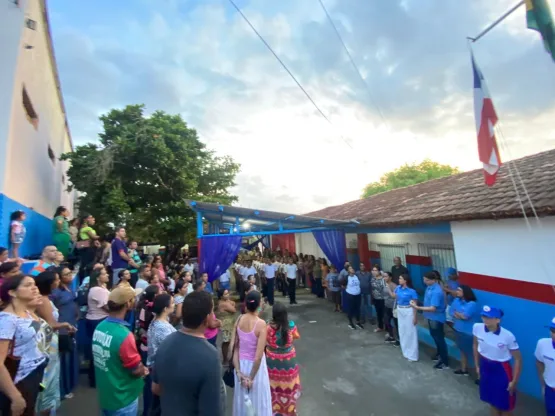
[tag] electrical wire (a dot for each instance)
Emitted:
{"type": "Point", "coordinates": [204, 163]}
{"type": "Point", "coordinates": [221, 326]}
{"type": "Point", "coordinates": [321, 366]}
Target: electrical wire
{"type": "Point", "coordinates": [286, 68]}
{"type": "Point", "coordinates": [355, 66]}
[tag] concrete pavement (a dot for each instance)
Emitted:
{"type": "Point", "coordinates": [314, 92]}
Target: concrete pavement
{"type": "Point", "coordinates": [354, 373]}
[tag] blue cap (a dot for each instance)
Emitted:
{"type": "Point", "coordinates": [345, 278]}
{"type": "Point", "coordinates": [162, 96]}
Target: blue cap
{"type": "Point", "coordinates": [552, 324]}
{"type": "Point", "coordinates": [490, 312]}
{"type": "Point", "coordinates": [451, 271]}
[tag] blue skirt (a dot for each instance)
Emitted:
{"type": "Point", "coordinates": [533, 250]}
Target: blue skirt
{"type": "Point", "coordinates": [549, 401]}
{"type": "Point", "coordinates": [495, 377]}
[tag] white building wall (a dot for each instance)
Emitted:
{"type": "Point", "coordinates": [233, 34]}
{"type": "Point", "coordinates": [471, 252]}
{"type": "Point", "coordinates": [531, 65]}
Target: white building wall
{"type": "Point", "coordinates": [306, 243]}
{"type": "Point", "coordinates": [12, 19]}
{"type": "Point", "coordinates": [411, 240]}
{"type": "Point", "coordinates": [32, 177]}
{"type": "Point", "coordinates": [506, 248]}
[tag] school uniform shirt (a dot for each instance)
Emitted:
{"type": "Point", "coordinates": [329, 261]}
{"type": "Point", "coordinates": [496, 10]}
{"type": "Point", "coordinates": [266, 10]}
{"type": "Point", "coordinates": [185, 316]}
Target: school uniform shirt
{"type": "Point", "coordinates": [269, 271]}
{"type": "Point", "coordinates": [291, 271]}
{"type": "Point", "coordinates": [353, 285]}
{"type": "Point", "coordinates": [495, 346]}
{"type": "Point", "coordinates": [452, 285]}
{"type": "Point", "coordinates": [470, 311]}
{"type": "Point", "coordinates": [248, 271]}
{"type": "Point", "coordinates": [224, 278]}
{"type": "Point", "coordinates": [545, 353]}
{"type": "Point", "coordinates": [405, 295]}
{"type": "Point", "coordinates": [435, 296]}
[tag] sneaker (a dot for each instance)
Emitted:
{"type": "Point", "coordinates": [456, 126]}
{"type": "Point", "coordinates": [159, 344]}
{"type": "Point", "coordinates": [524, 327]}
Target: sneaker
{"type": "Point", "coordinates": [396, 344]}
{"type": "Point", "coordinates": [441, 366]}
{"type": "Point", "coordinates": [435, 358]}
{"type": "Point", "coordinates": [68, 396]}
{"type": "Point", "coordinates": [460, 372]}
{"type": "Point", "coordinates": [477, 382]}
{"type": "Point", "coordinates": [378, 330]}
{"type": "Point", "coordinates": [352, 326]}
{"type": "Point", "coordinates": [389, 339]}
{"type": "Point", "coordinates": [360, 326]}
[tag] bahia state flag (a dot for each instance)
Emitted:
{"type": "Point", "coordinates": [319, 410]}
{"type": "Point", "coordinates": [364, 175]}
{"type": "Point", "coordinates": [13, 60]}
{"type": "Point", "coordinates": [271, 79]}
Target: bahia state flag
{"type": "Point", "coordinates": [539, 17]}
{"type": "Point", "coordinates": [486, 118]}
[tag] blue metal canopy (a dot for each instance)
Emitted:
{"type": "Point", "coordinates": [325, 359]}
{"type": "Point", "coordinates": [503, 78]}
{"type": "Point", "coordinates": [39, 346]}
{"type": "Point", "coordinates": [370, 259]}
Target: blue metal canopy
{"type": "Point", "coordinates": [216, 219]}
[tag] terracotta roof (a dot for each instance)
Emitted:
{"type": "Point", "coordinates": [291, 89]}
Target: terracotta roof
{"type": "Point", "coordinates": [459, 197]}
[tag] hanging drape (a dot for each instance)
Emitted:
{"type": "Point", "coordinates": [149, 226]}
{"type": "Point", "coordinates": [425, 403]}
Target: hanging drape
{"type": "Point", "coordinates": [255, 243]}
{"type": "Point", "coordinates": [333, 244]}
{"type": "Point", "coordinates": [217, 254]}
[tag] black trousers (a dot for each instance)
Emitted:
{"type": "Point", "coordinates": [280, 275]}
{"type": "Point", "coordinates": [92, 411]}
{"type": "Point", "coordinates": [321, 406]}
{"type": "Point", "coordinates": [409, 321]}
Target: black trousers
{"type": "Point", "coordinates": [29, 388]}
{"type": "Point", "coordinates": [292, 286]}
{"type": "Point", "coordinates": [353, 302]}
{"type": "Point", "coordinates": [379, 304]}
{"type": "Point", "coordinates": [270, 290]}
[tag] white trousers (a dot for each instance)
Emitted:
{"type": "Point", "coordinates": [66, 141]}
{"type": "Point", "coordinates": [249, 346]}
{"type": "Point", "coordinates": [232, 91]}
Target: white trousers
{"type": "Point", "coordinates": [408, 335]}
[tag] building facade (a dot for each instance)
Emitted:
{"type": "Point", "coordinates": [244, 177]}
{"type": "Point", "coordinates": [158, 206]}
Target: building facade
{"type": "Point", "coordinates": [33, 126]}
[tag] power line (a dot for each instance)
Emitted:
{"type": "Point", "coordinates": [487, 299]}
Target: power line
{"type": "Point", "coordinates": [355, 66]}
{"type": "Point", "coordinates": [285, 67]}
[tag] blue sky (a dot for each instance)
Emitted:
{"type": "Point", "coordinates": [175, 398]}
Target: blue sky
{"type": "Point", "coordinates": [200, 59]}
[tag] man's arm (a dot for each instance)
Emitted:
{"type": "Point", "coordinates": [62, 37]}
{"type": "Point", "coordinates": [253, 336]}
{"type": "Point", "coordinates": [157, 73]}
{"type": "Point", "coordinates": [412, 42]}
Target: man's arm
{"type": "Point", "coordinates": [209, 403]}
{"type": "Point", "coordinates": [130, 358]}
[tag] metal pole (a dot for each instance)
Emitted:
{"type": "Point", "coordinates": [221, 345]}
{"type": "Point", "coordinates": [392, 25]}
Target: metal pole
{"type": "Point", "coordinates": [487, 29]}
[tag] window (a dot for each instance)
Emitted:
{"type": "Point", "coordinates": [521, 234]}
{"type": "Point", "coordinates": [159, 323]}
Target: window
{"type": "Point", "coordinates": [442, 255]}
{"type": "Point", "coordinates": [51, 155]}
{"type": "Point", "coordinates": [389, 251]}
{"type": "Point", "coordinates": [30, 112]}
{"type": "Point", "coordinates": [31, 24]}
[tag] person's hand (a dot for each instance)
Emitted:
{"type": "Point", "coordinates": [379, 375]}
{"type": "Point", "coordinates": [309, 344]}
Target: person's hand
{"type": "Point", "coordinates": [512, 387]}
{"type": "Point", "coordinates": [146, 372]}
{"type": "Point", "coordinates": [18, 405]}
{"type": "Point", "coordinates": [414, 321]}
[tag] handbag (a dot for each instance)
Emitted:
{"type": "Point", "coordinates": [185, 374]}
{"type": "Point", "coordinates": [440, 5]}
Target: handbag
{"type": "Point", "coordinates": [82, 244]}
{"type": "Point", "coordinates": [229, 376]}
{"type": "Point", "coordinates": [12, 362]}
{"type": "Point", "coordinates": [395, 310]}
{"type": "Point", "coordinates": [66, 343]}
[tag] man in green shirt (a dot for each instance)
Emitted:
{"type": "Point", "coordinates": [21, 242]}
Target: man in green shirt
{"type": "Point", "coordinates": [118, 367]}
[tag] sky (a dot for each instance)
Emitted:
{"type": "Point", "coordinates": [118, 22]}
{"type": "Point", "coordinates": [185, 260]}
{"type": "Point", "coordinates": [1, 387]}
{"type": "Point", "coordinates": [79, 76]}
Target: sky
{"type": "Point", "coordinates": [415, 101]}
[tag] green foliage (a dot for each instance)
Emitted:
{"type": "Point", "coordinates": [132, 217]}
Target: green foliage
{"type": "Point", "coordinates": [142, 171]}
{"type": "Point", "coordinates": [408, 175]}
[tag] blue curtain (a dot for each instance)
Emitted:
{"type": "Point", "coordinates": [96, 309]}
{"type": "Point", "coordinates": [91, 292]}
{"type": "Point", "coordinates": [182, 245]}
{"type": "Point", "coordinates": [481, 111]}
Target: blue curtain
{"type": "Point", "coordinates": [334, 245]}
{"type": "Point", "coordinates": [217, 254]}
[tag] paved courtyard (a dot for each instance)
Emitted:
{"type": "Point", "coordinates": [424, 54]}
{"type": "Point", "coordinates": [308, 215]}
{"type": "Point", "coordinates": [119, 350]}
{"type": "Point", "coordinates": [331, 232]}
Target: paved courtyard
{"type": "Point", "coordinates": [353, 373]}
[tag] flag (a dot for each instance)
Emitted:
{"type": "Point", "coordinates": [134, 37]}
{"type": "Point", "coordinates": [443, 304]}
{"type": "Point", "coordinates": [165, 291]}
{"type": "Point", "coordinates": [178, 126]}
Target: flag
{"type": "Point", "coordinates": [538, 17]}
{"type": "Point", "coordinates": [486, 118]}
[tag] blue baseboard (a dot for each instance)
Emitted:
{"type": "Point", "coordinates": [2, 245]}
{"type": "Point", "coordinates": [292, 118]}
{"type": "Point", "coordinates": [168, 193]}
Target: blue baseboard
{"type": "Point", "coordinates": [39, 227]}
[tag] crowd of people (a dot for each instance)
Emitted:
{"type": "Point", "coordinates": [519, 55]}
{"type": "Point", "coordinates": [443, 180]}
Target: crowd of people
{"type": "Point", "coordinates": [137, 322]}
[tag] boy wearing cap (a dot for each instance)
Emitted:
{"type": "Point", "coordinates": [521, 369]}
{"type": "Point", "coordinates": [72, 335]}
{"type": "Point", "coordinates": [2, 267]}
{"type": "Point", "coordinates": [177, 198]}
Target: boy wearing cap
{"type": "Point", "coordinates": [545, 362]}
{"type": "Point", "coordinates": [118, 367]}
{"type": "Point", "coordinates": [494, 347]}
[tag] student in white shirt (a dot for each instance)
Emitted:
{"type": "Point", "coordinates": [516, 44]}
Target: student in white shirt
{"type": "Point", "coordinates": [291, 273]}
{"type": "Point", "coordinates": [494, 347]}
{"type": "Point", "coordinates": [224, 280]}
{"type": "Point", "coordinates": [270, 273]}
{"type": "Point", "coordinates": [352, 289]}
{"type": "Point", "coordinates": [545, 362]}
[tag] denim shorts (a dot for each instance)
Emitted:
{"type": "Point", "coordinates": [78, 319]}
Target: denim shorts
{"type": "Point", "coordinates": [129, 410]}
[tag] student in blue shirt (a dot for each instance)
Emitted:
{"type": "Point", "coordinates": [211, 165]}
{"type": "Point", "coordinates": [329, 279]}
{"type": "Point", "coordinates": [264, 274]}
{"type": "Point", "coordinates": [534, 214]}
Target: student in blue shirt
{"type": "Point", "coordinates": [404, 294]}
{"type": "Point", "coordinates": [465, 313]}
{"type": "Point", "coordinates": [450, 288]}
{"type": "Point", "coordinates": [434, 312]}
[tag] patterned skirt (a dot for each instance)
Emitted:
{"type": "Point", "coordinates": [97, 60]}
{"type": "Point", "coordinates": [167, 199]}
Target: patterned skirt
{"type": "Point", "coordinates": [285, 382]}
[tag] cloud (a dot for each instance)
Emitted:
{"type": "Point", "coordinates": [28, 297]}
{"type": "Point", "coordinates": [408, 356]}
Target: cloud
{"type": "Point", "coordinates": [201, 60]}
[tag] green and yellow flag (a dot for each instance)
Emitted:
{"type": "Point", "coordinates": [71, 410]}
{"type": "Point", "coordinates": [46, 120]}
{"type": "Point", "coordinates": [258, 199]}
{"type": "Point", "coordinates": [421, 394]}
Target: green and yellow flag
{"type": "Point", "coordinates": [538, 17]}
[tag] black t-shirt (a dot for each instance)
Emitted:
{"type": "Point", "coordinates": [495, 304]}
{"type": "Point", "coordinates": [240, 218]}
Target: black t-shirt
{"type": "Point", "coordinates": [397, 271]}
{"type": "Point", "coordinates": [188, 370]}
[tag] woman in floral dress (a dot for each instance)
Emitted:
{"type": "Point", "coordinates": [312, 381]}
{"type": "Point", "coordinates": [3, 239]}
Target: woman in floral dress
{"type": "Point", "coordinates": [281, 358]}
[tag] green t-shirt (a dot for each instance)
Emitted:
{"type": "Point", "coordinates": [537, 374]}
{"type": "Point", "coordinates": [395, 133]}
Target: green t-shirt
{"type": "Point", "coordinates": [115, 357]}
{"type": "Point", "coordinates": [84, 233]}
{"type": "Point", "coordinates": [136, 258]}
{"type": "Point", "coordinates": [65, 225]}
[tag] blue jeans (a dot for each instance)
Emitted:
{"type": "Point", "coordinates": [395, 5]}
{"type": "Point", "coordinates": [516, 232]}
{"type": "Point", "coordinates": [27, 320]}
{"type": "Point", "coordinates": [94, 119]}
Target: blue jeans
{"type": "Point", "coordinates": [438, 334]}
{"type": "Point", "coordinates": [225, 285]}
{"type": "Point", "coordinates": [366, 307]}
{"type": "Point", "coordinates": [129, 410]}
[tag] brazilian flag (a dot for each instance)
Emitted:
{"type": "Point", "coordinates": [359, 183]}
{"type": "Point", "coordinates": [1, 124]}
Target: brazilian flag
{"type": "Point", "coordinates": [538, 17]}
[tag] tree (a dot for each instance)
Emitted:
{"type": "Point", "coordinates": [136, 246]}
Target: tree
{"type": "Point", "coordinates": [143, 169]}
{"type": "Point", "coordinates": [408, 174]}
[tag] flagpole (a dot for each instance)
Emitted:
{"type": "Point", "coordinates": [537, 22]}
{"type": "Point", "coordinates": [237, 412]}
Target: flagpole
{"type": "Point", "coordinates": [490, 27]}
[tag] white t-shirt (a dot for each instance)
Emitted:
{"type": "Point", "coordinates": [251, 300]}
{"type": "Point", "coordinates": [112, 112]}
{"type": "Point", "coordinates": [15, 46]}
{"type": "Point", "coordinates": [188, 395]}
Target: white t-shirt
{"type": "Point", "coordinates": [291, 270]}
{"type": "Point", "coordinates": [545, 353]}
{"type": "Point", "coordinates": [270, 271]}
{"type": "Point", "coordinates": [495, 346]}
{"type": "Point", "coordinates": [224, 278]}
{"type": "Point", "coordinates": [188, 268]}
{"type": "Point", "coordinates": [353, 285]}
{"type": "Point", "coordinates": [248, 271]}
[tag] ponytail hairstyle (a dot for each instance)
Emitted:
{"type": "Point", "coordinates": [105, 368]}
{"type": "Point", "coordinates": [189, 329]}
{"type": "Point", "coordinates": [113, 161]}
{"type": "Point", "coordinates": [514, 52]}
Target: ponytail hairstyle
{"type": "Point", "coordinates": [146, 304]}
